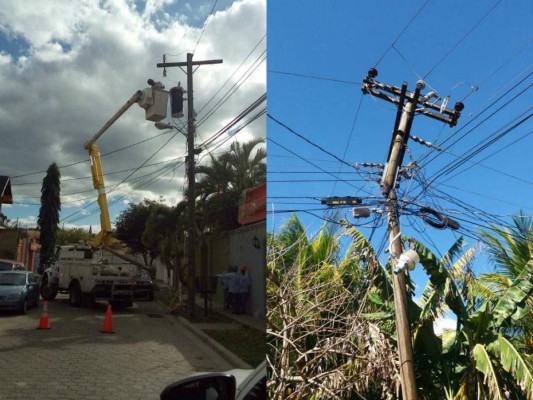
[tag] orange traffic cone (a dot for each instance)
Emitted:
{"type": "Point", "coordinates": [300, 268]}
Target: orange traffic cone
{"type": "Point", "coordinates": [108, 321]}
{"type": "Point", "coordinates": [43, 321]}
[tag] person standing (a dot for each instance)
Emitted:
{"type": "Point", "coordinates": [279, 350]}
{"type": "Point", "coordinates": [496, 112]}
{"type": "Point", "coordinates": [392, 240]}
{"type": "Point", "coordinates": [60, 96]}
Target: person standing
{"type": "Point", "coordinates": [224, 281]}
{"type": "Point", "coordinates": [244, 285]}
{"type": "Point", "coordinates": [233, 288]}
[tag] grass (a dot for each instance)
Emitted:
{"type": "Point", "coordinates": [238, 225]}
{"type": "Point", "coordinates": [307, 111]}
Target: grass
{"type": "Point", "coordinates": [247, 343]}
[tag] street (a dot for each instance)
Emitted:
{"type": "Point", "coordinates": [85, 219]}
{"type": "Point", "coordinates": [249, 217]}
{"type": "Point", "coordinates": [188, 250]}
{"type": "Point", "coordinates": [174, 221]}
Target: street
{"type": "Point", "coordinates": [74, 360]}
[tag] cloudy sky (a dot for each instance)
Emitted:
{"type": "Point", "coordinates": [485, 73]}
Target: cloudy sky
{"type": "Point", "coordinates": [67, 67]}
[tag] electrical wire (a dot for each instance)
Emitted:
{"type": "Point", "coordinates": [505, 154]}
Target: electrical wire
{"type": "Point", "coordinates": [468, 33]}
{"type": "Point", "coordinates": [309, 141]}
{"type": "Point", "coordinates": [492, 154]}
{"type": "Point", "coordinates": [205, 25]}
{"type": "Point", "coordinates": [232, 75]}
{"type": "Point", "coordinates": [271, 71]}
{"type": "Point", "coordinates": [234, 122]}
{"type": "Point", "coordinates": [489, 140]}
{"type": "Point", "coordinates": [261, 58]}
{"type": "Point", "coordinates": [125, 179]}
{"type": "Point", "coordinates": [402, 32]}
{"type": "Point", "coordinates": [478, 148]}
{"type": "Point", "coordinates": [87, 160]}
{"type": "Point", "coordinates": [349, 139]}
{"type": "Point", "coordinates": [480, 123]}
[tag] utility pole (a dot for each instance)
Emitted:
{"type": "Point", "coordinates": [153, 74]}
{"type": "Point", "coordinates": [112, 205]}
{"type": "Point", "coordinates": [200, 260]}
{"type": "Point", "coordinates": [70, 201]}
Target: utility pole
{"type": "Point", "coordinates": [407, 104]}
{"type": "Point", "coordinates": [191, 130]}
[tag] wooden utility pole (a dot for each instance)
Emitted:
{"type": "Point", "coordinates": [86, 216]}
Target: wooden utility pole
{"type": "Point", "coordinates": [407, 104]}
{"type": "Point", "coordinates": [191, 203]}
{"type": "Point", "coordinates": [405, 348]}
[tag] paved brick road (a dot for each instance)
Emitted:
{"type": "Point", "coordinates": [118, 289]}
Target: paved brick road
{"type": "Point", "coordinates": [73, 360]}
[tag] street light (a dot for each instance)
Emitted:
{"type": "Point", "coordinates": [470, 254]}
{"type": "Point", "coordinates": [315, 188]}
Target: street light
{"type": "Point", "coordinates": [163, 126]}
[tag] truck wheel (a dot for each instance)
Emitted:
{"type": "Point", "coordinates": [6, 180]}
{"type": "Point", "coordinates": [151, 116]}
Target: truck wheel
{"type": "Point", "coordinates": [47, 292]}
{"type": "Point", "coordinates": [75, 294]}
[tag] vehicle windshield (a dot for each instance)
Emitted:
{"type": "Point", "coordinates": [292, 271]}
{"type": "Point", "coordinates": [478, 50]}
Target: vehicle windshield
{"type": "Point", "coordinates": [12, 279]}
{"type": "Point", "coordinates": [5, 266]}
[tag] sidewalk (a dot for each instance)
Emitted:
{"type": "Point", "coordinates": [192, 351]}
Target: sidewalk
{"type": "Point", "coordinates": [163, 292]}
{"type": "Point", "coordinates": [243, 319]}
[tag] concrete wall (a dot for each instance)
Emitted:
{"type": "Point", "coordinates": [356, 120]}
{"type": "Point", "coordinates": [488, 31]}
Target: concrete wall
{"type": "Point", "coordinates": [232, 248]}
{"type": "Point", "coordinates": [237, 248]}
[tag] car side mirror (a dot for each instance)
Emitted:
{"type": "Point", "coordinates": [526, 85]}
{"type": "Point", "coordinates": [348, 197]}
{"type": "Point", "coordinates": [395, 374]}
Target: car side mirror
{"type": "Point", "coordinates": [215, 386]}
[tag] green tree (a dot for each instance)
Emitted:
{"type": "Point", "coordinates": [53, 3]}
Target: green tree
{"type": "Point", "coordinates": [480, 359]}
{"type": "Point", "coordinates": [72, 235]}
{"type": "Point", "coordinates": [130, 225]}
{"type": "Point", "coordinates": [164, 231]}
{"type": "Point", "coordinates": [510, 249]}
{"type": "Point", "coordinates": [48, 219]}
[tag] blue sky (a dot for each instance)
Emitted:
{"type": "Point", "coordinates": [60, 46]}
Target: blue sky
{"type": "Point", "coordinates": [479, 53]}
{"type": "Point", "coordinates": [67, 67]}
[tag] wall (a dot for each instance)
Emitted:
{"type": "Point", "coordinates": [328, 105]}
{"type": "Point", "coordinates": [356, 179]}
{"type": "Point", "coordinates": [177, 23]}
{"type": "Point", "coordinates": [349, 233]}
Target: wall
{"type": "Point", "coordinates": [236, 248]}
{"type": "Point", "coordinates": [8, 243]}
{"type": "Point", "coordinates": [233, 248]}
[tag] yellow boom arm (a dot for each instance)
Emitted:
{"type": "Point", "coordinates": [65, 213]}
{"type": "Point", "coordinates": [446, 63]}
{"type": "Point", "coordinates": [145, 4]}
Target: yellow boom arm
{"type": "Point", "coordinates": [104, 237]}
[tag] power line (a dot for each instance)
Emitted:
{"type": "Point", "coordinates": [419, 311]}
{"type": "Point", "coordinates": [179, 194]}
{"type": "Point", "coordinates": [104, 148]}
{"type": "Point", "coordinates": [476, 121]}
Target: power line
{"type": "Point", "coordinates": [476, 151]}
{"type": "Point", "coordinates": [260, 59]}
{"type": "Point", "coordinates": [205, 25]}
{"type": "Point", "coordinates": [232, 75]}
{"type": "Point", "coordinates": [492, 154]}
{"type": "Point", "coordinates": [235, 121]}
{"type": "Point", "coordinates": [309, 141]}
{"type": "Point", "coordinates": [86, 160]}
{"type": "Point", "coordinates": [402, 32]}
{"type": "Point", "coordinates": [349, 138]}
{"type": "Point", "coordinates": [462, 39]}
{"type": "Point", "coordinates": [480, 123]}
{"type": "Point", "coordinates": [313, 77]}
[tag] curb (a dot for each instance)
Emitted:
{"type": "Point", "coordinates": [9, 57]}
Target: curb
{"type": "Point", "coordinates": [231, 358]}
{"type": "Point", "coordinates": [235, 361]}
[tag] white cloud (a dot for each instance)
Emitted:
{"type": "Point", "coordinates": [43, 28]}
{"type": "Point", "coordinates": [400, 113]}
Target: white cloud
{"type": "Point", "coordinates": [83, 62]}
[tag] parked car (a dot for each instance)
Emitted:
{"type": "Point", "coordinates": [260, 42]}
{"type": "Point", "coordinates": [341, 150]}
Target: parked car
{"type": "Point", "coordinates": [144, 286]}
{"type": "Point", "coordinates": [231, 385]}
{"type": "Point", "coordinates": [18, 290]}
{"type": "Point", "coordinates": [11, 265]}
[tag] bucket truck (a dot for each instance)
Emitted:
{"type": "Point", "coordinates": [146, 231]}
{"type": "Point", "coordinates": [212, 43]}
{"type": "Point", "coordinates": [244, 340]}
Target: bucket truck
{"type": "Point", "coordinates": [75, 271]}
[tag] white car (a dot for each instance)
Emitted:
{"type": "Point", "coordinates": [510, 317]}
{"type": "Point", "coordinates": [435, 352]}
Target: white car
{"type": "Point", "coordinates": [237, 384]}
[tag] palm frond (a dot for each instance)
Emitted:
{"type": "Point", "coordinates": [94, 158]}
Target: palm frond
{"type": "Point", "coordinates": [514, 298]}
{"type": "Point", "coordinates": [454, 251]}
{"type": "Point", "coordinates": [512, 362]}
{"type": "Point", "coordinates": [484, 365]}
{"type": "Point", "coordinates": [441, 280]}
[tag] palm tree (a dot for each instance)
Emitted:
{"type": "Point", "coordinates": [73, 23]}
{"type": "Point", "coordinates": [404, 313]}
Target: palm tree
{"type": "Point", "coordinates": [509, 249]}
{"type": "Point", "coordinates": [479, 359]}
{"type": "Point", "coordinates": [222, 182]}
{"type": "Point", "coordinates": [49, 215]}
